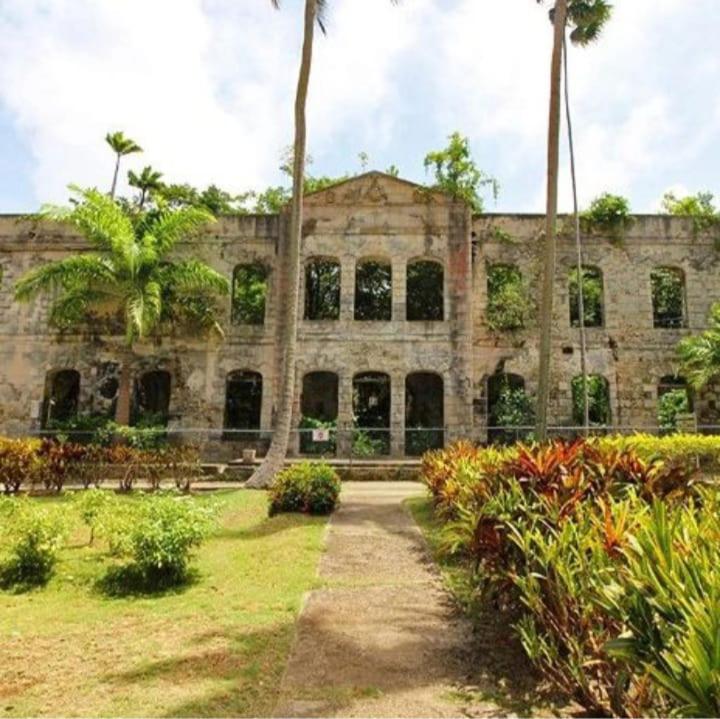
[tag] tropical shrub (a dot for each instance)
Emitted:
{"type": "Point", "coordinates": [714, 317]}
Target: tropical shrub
{"type": "Point", "coordinates": [702, 451]}
{"type": "Point", "coordinates": [30, 537]}
{"type": "Point", "coordinates": [550, 533]}
{"type": "Point", "coordinates": [19, 463]}
{"type": "Point", "coordinates": [57, 460]}
{"type": "Point", "coordinates": [669, 603]}
{"type": "Point", "coordinates": [29, 462]}
{"type": "Point", "coordinates": [308, 487]}
{"type": "Point", "coordinates": [157, 538]}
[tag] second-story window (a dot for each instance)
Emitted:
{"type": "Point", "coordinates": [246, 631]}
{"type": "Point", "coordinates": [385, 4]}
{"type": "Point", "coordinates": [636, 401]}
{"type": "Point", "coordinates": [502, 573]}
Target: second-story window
{"type": "Point", "coordinates": [373, 291]}
{"type": "Point", "coordinates": [668, 297]}
{"type": "Point", "coordinates": [322, 289]}
{"type": "Point", "coordinates": [592, 294]}
{"type": "Point", "coordinates": [508, 305]}
{"type": "Point", "coordinates": [425, 291]}
{"type": "Point", "coordinates": [249, 294]}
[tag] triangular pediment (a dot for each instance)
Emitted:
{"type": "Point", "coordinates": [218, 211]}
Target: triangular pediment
{"type": "Point", "coordinates": [373, 189]}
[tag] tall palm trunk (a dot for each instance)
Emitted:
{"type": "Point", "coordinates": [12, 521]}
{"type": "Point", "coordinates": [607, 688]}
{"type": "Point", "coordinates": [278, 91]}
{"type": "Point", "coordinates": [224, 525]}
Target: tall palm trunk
{"type": "Point", "coordinates": [550, 249]}
{"type": "Point", "coordinates": [265, 474]}
{"type": "Point", "coordinates": [115, 176]}
{"type": "Point", "coordinates": [122, 407]}
{"type": "Point", "coordinates": [578, 249]}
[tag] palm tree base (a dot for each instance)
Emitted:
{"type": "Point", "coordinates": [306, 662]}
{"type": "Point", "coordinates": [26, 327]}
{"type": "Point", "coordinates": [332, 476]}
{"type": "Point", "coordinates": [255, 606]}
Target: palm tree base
{"type": "Point", "coordinates": [264, 476]}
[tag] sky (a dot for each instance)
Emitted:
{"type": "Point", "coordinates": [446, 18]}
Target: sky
{"type": "Point", "coordinates": [207, 88]}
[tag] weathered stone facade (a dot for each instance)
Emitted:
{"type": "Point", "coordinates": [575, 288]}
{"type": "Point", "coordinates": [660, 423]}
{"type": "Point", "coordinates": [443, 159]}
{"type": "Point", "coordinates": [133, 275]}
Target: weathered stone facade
{"type": "Point", "coordinates": [380, 218]}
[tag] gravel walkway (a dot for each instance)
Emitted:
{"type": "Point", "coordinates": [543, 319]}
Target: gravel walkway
{"type": "Point", "coordinates": [382, 638]}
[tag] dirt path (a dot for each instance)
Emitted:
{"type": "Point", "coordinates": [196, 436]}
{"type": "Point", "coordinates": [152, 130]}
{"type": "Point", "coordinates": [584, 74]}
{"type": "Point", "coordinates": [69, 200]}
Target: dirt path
{"type": "Point", "coordinates": [382, 637]}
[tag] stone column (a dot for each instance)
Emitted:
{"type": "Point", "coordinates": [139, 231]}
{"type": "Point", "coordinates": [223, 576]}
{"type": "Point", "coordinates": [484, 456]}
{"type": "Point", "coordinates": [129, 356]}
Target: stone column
{"type": "Point", "coordinates": [397, 414]}
{"type": "Point", "coordinates": [347, 288]}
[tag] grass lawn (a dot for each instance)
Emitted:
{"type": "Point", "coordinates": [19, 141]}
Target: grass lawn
{"type": "Point", "coordinates": [215, 648]}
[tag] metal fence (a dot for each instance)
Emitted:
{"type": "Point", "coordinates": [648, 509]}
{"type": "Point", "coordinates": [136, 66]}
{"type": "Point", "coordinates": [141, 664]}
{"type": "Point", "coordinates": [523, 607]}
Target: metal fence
{"type": "Point", "coordinates": [352, 444]}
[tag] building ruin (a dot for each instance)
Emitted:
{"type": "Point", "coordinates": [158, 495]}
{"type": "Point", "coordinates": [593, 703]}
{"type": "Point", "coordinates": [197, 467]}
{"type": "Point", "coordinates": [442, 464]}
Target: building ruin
{"type": "Point", "coordinates": [394, 334]}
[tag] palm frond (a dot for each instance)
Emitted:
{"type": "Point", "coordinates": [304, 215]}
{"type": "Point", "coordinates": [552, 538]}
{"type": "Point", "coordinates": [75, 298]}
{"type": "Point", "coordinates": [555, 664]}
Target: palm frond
{"type": "Point", "coordinates": [142, 311]}
{"type": "Point", "coordinates": [74, 306]}
{"type": "Point", "coordinates": [100, 220]}
{"type": "Point", "coordinates": [167, 228]}
{"type": "Point", "coordinates": [71, 272]}
{"type": "Point", "coordinates": [193, 276]}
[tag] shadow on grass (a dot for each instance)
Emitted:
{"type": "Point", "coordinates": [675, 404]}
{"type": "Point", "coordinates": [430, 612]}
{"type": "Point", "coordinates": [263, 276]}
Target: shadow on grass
{"type": "Point", "coordinates": [129, 580]}
{"type": "Point", "coordinates": [16, 578]}
{"type": "Point", "coordinates": [248, 666]}
{"type": "Point", "coordinates": [270, 526]}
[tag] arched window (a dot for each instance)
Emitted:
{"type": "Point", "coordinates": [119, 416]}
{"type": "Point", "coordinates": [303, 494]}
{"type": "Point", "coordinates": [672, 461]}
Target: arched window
{"type": "Point", "coordinates": [371, 413]}
{"type": "Point", "coordinates": [511, 412]}
{"type": "Point", "coordinates": [508, 305]}
{"type": "Point", "coordinates": [243, 405]}
{"type": "Point", "coordinates": [152, 398]}
{"type": "Point", "coordinates": [373, 290]}
{"type": "Point", "coordinates": [593, 301]}
{"type": "Point", "coordinates": [249, 294]}
{"type": "Point", "coordinates": [674, 398]}
{"type": "Point", "coordinates": [322, 289]}
{"type": "Point", "coordinates": [424, 413]}
{"type": "Point", "coordinates": [425, 289]}
{"type": "Point", "coordinates": [598, 400]}
{"type": "Point", "coordinates": [668, 297]}
{"type": "Point", "coordinates": [319, 409]}
{"type": "Point", "coordinates": [62, 396]}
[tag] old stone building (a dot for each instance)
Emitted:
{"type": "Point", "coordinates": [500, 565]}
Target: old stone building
{"type": "Point", "coordinates": [395, 334]}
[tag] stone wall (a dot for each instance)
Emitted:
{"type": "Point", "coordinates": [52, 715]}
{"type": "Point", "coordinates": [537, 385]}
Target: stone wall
{"type": "Point", "coordinates": [383, 218]}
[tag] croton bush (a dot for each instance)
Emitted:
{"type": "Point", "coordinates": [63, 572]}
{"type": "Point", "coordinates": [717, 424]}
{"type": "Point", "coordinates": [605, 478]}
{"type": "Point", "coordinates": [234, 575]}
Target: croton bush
{"type": "Point", "coordinates": [50, 463]}
{"type": "Point", "coordinates": [606, 555]}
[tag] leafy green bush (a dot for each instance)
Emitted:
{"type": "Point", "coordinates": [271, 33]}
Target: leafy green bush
{"type": "Point", "coordinates": [309, 487]}
{"type": "Point", "coordinates": [598, 400]}
{"type": "Point", "coordinates": [30, 535]}
{"type": "Point", "coordinates": [670, 405]}
{"type": "Point", "coordinates": [310, 446]}
{"type": "Point", "coordinates": [699, 207]}
{"type": "Point", "coordinates": [157, 537]}
{"type": "Point", "coordinates": [699, 450]}
{"type": "Point", "coordinates": [608, 214]}
{"type": "Point", "coordinates": [94, 506]}
{"type": "Point", "coordinates": [364, 444]}
{"type": "Point", "coordinates": [508, 305]}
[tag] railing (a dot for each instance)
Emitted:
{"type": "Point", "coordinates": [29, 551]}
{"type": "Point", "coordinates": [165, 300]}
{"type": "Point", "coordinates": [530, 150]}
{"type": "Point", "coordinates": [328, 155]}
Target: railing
{"type": "Point", "coordinates": [356, 443]}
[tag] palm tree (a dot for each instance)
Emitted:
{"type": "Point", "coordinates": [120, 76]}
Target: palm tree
{"type": "Point", "coordinates": [128, 273]}
{"type": "Point", "coordinates": [147, 181]}
{"type": "Point", "coordinates": [587, 18]}
{"type": "Point", "coordinates": [264, 475]}
{"type": "Point", "coordinates": [700, 355]}
{"type": "Point", "coordinates": [121, 146]}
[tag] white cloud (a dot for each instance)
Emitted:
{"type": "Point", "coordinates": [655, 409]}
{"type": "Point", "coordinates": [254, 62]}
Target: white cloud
{"type": "Point", "coordinates": [207, 87]}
